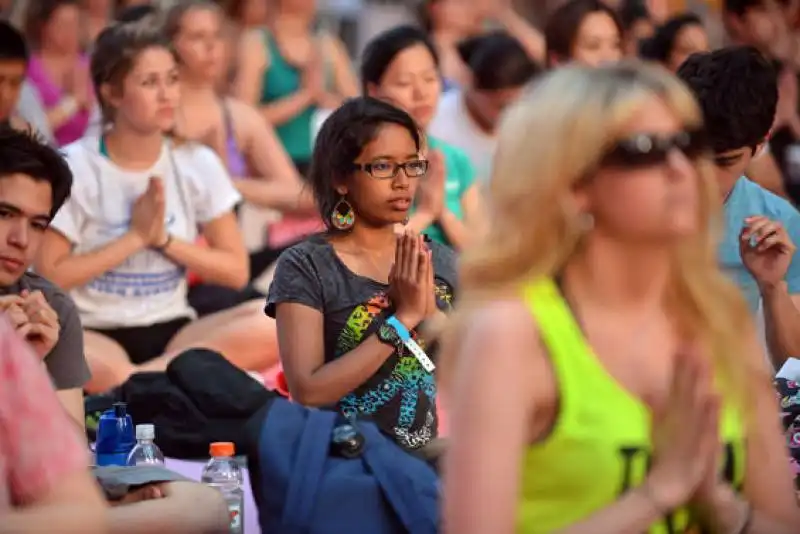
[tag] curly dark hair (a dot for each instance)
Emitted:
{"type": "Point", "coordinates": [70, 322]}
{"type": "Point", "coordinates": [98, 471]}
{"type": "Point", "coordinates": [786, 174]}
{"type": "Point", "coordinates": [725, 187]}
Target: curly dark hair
{"type": "Point", "coordinates": [24, 152]}
{"type": "Point", "coordinates": [737, 89]}
{"type": "Point", "coordinates": [343, 137]}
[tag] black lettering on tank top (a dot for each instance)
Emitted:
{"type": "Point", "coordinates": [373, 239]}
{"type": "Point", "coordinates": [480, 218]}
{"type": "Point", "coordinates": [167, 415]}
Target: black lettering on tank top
{"type": "Point", "coordinates": [636, 463]}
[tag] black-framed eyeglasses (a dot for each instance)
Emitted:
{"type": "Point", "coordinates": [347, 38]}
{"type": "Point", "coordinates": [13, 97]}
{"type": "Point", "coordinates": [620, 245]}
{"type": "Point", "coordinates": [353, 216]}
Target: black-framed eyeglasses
{"type": "Point", "coordinates": [386, 170]}
{"type": "Point", "coordinates": [652, 149]}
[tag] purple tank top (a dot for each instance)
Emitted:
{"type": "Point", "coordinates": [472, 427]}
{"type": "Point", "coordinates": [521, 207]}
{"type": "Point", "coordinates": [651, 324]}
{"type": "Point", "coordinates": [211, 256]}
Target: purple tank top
{"type": "Point", "coordinates": [51, 94]}
{"type": "Point", "coordinates": [237, 166]}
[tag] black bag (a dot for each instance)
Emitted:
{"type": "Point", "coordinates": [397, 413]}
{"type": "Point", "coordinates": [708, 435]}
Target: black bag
{"type": "Point", "coordinates": [200, 399]}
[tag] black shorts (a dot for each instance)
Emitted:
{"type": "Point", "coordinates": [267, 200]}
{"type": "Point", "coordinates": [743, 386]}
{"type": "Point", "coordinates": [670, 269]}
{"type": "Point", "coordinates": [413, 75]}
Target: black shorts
{"type": "Point", "coordinates": [144, 343]}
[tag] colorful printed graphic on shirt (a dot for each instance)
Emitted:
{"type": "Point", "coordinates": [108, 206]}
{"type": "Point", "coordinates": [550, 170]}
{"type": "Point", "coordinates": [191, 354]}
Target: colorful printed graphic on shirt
{"type": "Point", "coordinates": [788, 391]}
{"type": "Point", "coordinates": [402, 384]}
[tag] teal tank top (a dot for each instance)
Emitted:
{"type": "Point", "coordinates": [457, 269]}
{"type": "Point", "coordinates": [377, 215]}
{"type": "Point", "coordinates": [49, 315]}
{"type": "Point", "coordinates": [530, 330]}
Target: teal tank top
{"type": "Point", "coordinates": [280, 80]}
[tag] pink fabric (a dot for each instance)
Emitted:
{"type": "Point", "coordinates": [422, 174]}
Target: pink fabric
{"type": "Point", "coordinates": [290, 230]}
{"type": "Point", "coordinates": [39, 445]}
{"type": "Point", "coordinates": [51, 94]}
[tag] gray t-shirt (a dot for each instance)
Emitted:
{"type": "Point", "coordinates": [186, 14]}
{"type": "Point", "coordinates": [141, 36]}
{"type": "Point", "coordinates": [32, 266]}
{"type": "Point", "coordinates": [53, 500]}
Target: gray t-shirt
{"type": "Point", "coordinates": [401, 397]}
{"type": "Point", "coordinates": [66, 363]}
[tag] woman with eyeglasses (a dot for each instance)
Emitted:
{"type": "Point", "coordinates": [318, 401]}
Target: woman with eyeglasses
{"type": "Point", "coordinates": [350, 303]}
{"type": "Point", "coordinates": [401, 66]}
{"type": "Point", "coordinates": [596, 334]}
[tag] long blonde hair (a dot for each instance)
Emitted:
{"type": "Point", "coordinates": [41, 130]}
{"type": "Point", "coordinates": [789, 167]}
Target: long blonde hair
{"type": "Point", "coordinates": [552, 138]}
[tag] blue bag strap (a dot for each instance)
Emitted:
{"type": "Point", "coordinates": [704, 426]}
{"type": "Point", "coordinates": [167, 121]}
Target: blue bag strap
{"type": "Point", "coordinates": [395, 484]}
{"type": "Point", "coordinates": [309, 464]}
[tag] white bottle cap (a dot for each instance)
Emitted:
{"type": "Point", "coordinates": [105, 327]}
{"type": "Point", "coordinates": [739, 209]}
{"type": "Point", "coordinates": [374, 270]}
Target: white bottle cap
{"type": "Point", "coordinates": [145, 432]}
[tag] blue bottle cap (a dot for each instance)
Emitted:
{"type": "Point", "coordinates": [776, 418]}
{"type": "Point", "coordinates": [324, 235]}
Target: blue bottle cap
{"type": "Point", "coordinates": [120, 409]}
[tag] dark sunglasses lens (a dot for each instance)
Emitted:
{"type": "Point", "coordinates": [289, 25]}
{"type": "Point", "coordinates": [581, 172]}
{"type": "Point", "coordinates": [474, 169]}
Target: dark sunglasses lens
{"type": "Point", "coordinates": [637, 151]}
{"type": "Point", "coordinates": [643, 150]}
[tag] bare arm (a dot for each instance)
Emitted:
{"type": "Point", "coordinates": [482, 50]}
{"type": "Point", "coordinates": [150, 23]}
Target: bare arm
{"type": "Point", "coordinates": [249, 83]}
{"type": "Point", "coordinates": [252, 61]}
{"type": "Point", "coordinates": [769, 487]}
{"type": "Point", "coordinates": [782, 323]}
{"type": "Point", "coordinates": [277, 184]}
{"type": "Point", "coordinates": [75, 505]}
{"type": "Point", "coordinates": [72, 401]}
{"type": "Point", "coordinates": [56, 262]}
{"type": "Point", "coordinates": [186, 508]}
{"type": "Point", "coordinates": [768, 482]}
{"type": "Point", "coordinates": [223, 261]}
{"type": "Point", "coordinates": [311, 381]}
{"type": "Point", "coordinates": [482, 484]}
{"type": "Point", "coordinates": [285, 109]}
{"type": "Point", "coordinates": [459, 232]}
{"type": "Point", "coordinates": [529, 37]}
{"type": "Point", "coordinates": [59, 115]}
{"type": "Point", "coordinates": [346, 81]}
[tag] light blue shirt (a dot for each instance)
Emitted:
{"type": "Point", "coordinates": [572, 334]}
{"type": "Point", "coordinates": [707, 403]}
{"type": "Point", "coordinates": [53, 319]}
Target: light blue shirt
{"type": "Point", "coordinates": [748, 199]}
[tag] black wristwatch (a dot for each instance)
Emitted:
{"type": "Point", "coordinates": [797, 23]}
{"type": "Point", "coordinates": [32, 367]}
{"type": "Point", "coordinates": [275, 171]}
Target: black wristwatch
{"type": "Point", "coordinates": [387, 334]}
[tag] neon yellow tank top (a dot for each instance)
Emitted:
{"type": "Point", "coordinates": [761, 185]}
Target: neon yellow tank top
{"type": "Point", "coordinates": [600, 445]}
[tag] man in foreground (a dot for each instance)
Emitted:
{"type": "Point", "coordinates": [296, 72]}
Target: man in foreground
{"type": "Point", "coordinates": [34, 183]}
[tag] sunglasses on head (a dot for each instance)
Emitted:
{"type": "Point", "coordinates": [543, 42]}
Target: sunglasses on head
{"type": "Point", "coordinates": [643, 149]}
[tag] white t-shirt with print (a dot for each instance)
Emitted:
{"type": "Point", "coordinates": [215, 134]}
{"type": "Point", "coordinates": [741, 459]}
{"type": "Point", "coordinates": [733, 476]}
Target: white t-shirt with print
{"type": "Point", "coordinates": [454, 125]}
{"type": "Point", "coordinates": [147, 288]}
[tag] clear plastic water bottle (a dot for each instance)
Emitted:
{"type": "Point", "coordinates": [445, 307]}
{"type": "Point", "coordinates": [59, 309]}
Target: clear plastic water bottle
{"type": "Point", "coordinates": [223, 473]}
{"type": "Point", "coordinates": [146, 452]}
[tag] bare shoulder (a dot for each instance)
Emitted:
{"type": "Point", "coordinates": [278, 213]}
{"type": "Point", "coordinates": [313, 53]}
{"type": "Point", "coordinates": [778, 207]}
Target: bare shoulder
{"type": "Point", "coordinates": [252, 37]}
{"type": "Point", "coordinates": [252, 45]}
{"type": "Point", "coordinates": [504, 329]}
{"type": "Point", "coordinates": [500, 355]}
{"type": "Point", "coordinates": [333, 45]}
{"type": "Point", "coordinates": [243, 113]}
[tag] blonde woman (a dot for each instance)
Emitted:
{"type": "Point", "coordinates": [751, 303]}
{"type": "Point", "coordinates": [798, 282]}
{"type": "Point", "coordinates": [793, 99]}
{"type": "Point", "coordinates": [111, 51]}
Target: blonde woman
{"type": "Point", "coordinates": [595, 326]}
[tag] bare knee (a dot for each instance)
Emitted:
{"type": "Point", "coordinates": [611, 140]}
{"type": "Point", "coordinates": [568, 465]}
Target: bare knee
{"type": "Point", "coordinates": [108, 362]}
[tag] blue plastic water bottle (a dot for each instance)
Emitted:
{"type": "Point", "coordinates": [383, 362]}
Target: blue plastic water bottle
{"type": "Point", "coordinates": [115, 436]}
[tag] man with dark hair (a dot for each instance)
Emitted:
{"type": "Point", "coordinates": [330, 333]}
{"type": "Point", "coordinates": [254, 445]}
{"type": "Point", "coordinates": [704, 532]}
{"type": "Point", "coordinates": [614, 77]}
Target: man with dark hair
{"type": "Point", "coordinates": [737, 91]}
{"type": "Point", "coordinates": [13, 68]}
{"type": "Point", "coordinates": [19, 100]}
{"type": "Point", "coordinates": [35, 182]}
